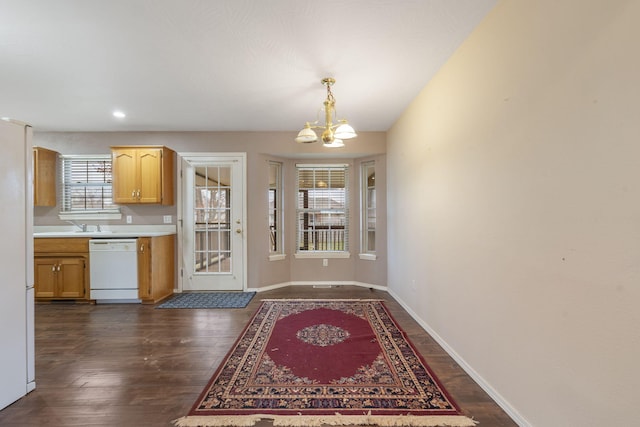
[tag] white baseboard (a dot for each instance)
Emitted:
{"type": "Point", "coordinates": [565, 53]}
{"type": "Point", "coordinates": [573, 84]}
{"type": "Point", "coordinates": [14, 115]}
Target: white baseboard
{"type": "Point", "coordinates": [316, 283]}
{"type": "Point", "coordinates": [269, 287]}
{"type": "Point", "coordinates": [497, 397]}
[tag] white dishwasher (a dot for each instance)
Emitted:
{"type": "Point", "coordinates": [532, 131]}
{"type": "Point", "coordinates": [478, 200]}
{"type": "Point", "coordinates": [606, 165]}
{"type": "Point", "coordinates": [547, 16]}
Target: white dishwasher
{"type": "Point", "coordinates": [113, 265]}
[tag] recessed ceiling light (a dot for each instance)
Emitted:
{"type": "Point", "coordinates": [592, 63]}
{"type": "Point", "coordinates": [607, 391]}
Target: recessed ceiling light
{"type": "Point", "coordinates": [119, 114]}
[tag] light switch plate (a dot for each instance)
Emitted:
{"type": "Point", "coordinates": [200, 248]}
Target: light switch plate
{"type": "Point", "coordinates": [129, 219]}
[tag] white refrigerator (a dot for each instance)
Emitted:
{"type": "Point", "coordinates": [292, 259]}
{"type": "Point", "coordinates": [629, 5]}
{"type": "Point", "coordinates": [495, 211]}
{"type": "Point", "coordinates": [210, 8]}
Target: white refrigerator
{"type": "Point", "coordinates": [17, 361]}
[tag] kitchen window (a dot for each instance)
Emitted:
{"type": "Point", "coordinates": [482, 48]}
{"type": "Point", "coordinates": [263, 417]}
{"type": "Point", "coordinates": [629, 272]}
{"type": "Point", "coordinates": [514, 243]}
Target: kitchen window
{"type": "Point", "coordinates": [322, 213]}
{"type": "Point", "coordinates": [86, 192]}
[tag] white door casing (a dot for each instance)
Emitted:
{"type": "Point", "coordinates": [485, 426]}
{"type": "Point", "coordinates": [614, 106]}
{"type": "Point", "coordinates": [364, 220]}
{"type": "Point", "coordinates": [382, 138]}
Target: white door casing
{"type": "Point", "coordinates": [213, 214]}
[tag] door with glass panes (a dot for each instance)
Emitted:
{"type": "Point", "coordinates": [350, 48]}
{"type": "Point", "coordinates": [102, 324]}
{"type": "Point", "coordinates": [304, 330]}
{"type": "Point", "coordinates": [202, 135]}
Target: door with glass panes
{"type": "Point", "coordinates": [213, 223]}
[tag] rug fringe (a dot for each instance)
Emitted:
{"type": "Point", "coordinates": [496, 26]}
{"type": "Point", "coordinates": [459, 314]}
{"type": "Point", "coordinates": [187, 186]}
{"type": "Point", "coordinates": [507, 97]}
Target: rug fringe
{"type": "Point", "coordinates": [332, 420]}
{"type": "Point", "coordinates": [218, 421]}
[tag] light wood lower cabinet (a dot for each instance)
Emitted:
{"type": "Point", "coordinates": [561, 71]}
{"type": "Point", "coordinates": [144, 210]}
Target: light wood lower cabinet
{"type": "Point", "coordinates": [156, 271]}
{"type": "Point", "coordinates": [59, 278]}
{"type": "Point", "coordinates": [61, 268]}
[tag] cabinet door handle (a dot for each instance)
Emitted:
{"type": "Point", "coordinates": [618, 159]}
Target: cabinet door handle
{"type": "Point", "coordinates": [133, 194]}
{"type": "Point", "coordinates": [58, 269]}
{"type": "Point", "coordinates": [142, 247]}
{"type": "Point", "coordinates": [138, 194]}
{"type": "Point", "coordinates": [53, 268]}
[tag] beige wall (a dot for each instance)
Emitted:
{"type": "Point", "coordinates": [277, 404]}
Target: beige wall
{"type": "Point", "coordinates": [260, 147]}
{"type": "Point", "coordinates": [514, 209]}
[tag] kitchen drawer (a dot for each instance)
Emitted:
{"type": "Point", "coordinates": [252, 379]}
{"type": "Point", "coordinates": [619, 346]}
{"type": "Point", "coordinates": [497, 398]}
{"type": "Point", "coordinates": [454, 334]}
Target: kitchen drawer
{"type": "Point", "coordinates": [53, 245]}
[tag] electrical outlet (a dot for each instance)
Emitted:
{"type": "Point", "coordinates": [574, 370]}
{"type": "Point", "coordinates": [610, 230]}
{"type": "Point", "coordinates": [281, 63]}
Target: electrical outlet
{"type": "Point", "coordinates": [129, 219]}
{"type": "Point", "coordinates": [325, 262]}
{"type": "Point", "coordinates": [167, 219]}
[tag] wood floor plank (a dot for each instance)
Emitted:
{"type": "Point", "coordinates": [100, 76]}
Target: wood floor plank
{"type": "Point", "coordinates": [134, 365]}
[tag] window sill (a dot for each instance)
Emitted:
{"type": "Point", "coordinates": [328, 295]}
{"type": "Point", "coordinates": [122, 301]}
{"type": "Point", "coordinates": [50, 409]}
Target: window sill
{"type": "Point", "coordinates": [303, 255]}
{"type": "Point", "coordinates": [368, 257]}
{"type": "Point", "coordinates": [277, 257]}
{"type": "Point", "coordinates": [88, 215]}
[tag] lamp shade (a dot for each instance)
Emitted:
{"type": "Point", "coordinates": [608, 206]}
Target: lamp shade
{"type": "Point", "coordinates": [336, 143]}
{"type": "Point", "coordinates": [306, 136]}
{"type": "Point", "coordinates": [345, 131]}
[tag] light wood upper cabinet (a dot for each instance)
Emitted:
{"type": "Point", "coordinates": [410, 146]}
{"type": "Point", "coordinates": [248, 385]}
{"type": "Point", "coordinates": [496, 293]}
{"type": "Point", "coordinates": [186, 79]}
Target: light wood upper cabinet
{"type": "Point", "coordinates": [44, 176]}
{"type": "Point", "coordinates": [142, 175]}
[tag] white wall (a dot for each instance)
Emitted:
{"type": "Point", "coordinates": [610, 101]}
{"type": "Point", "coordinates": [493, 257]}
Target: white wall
{"type": "Point", "coordinates": [514, 209]}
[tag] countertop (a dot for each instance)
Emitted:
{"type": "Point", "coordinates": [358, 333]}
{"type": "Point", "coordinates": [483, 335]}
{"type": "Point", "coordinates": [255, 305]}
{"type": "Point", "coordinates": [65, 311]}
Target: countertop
{"type": "Point", "coordinates": [107, 232]}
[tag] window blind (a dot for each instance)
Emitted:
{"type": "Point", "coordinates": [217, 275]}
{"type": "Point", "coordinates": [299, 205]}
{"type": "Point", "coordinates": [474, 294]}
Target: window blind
{"type": "Point", "coordinates": [86, 183]}
{"type": "Point", "coordinates": [322, 208]}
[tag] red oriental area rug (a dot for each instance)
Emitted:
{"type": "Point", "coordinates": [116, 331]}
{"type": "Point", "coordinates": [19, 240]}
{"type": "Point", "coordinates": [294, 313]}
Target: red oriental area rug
{"type": "Point", "coordinates": [315, 362]}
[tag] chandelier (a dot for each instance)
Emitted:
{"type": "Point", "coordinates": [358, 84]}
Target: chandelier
{"type": "Point", "coordinates": [333, 135]}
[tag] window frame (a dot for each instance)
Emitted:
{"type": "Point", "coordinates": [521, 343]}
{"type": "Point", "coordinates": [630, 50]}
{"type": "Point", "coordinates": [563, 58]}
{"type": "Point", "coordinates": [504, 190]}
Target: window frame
{"type": "Point", "coordinates": [276, 211]}
{"type": "Point", "coordinates": [66, 213]}
{"type": "Point", "coordinates": [344, 211]}
{"type": "Point", "coordinates": [368, 210]}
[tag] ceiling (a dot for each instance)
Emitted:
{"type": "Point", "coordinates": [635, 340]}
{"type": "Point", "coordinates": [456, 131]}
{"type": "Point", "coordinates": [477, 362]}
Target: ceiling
{"type": "Point", "coordinates": [221, 65]}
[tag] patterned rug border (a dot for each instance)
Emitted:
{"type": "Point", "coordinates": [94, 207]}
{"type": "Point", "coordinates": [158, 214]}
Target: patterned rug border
{"type": "Point", "coordinates": [336, 418]}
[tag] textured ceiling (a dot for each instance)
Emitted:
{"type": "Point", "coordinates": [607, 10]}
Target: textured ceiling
{"type": "Point", "coordinates": [232, 65]}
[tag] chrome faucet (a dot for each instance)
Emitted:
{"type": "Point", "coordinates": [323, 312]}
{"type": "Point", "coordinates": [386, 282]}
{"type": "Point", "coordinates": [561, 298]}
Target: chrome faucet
{"type": "Point", "coordinates": [82, 227]}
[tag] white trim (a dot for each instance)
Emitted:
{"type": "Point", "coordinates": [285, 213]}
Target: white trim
{"type": "Point", "coordinates": [364, 210]}
{"type": "Point", "coordinates": [196, 157]}
{"type": "Point", "coordinates": [368, 257]}
{"type": "Point", "coordinates": [89, 215]}
{"type": "Point", "coordinates": [497, 397]}
{"type": "Point", "coordinates": [142, 230]}
{"type": "Point", "coordinates": [179, 218]}
{"type": "Point", "coordinates": [269, 287]}
{"type": "Point", "coordinates": [318, 254]}
{"type": "Point", "coordinates": [278, 209]}
{"type": "Point", "coordinates": [86, 156]}
{"type": "Point", "coordinates": [323, 165]}
{"type": "Point", "coordinates": [323, 283]}
{"type": "Point", "coordinates": [316, 283]}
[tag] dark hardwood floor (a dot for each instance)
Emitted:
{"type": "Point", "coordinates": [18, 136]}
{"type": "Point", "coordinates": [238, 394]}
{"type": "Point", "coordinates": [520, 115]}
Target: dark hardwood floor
{"type": "Point", "coordinates": [133, 365]}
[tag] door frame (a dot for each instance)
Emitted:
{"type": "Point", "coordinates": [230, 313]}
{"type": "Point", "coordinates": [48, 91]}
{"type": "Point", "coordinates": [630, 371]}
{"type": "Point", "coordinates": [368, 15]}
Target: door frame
{"type": "Point", "coordinates": [180, 205]}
